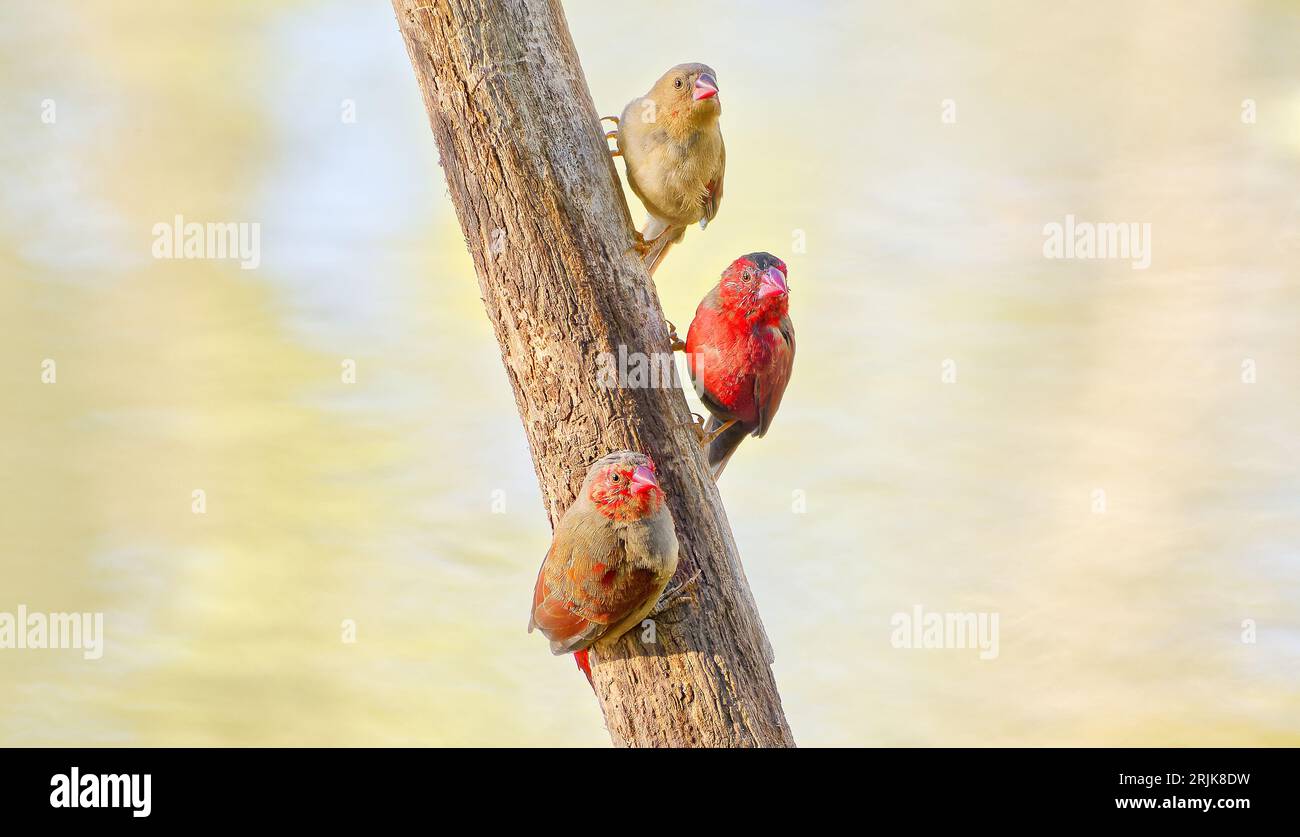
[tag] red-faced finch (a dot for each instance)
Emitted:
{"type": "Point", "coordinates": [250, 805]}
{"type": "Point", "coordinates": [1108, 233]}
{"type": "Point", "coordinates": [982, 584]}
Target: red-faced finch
{"type": "Point", "coordinates": [740, 351]}
{"type": "Point", "coordinates": [672, 145]}
{"type": "Point", "coordinates": [612, 555]}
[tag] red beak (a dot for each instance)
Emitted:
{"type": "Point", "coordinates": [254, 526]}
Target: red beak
{"type": "Point", "coordinates": [706, 87]}
{"type": "Point", "coordinates": [643, 479]}
{"type": "Point", "coordinates": [772, 282]}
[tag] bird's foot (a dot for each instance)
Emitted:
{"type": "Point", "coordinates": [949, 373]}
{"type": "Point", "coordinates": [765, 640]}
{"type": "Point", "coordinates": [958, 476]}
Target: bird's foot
{"type": "Point", "coordinates": [708, 438]}
{"type": "Point", "coordinates": [612, 135]}
{"type": "Point", "coordinates": [676, 597]}
{"type": "Point", "coordinates": [697, 427]}
{"type": "Point", "coordinates": [640, 245]}
{"type": "Point", "coordinates": [677, 343]}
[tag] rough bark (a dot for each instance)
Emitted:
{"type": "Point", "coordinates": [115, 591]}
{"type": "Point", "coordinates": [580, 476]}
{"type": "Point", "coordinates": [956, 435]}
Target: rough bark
{"type": "Point", "coordinates": [549, 230]}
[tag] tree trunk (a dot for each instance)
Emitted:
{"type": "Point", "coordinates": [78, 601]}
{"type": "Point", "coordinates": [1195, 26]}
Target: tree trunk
{"type": "Point", "coordinates": [547, 225]}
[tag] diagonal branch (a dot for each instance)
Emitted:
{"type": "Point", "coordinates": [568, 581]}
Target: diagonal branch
{"type": "Point", "coordinates": [547, 225]}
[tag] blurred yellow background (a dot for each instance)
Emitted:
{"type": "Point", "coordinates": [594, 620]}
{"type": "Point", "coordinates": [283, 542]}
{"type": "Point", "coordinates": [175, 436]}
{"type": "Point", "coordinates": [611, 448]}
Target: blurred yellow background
{"type": "Point", "coordinates": [374, 501]}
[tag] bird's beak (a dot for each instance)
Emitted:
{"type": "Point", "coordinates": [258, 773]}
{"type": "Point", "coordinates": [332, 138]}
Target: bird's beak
{"type": "Point", "coordinates": [643, 479]}
{"type": "Point", "coordinates": [771, 283]}
{"type": "Point", "coordinates": [706, 87]}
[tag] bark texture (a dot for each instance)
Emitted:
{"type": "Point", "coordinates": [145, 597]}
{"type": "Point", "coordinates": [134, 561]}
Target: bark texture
{"type": "Point", "coordinates": [549, 230]}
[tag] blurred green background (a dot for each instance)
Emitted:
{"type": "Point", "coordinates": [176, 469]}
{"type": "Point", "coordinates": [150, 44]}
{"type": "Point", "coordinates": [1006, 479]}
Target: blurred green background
{"type": "Point", "coordinates": [373, 501]}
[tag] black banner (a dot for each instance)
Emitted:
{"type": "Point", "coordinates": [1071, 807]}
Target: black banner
{"type": "Point", "coordinates": [129, 787]}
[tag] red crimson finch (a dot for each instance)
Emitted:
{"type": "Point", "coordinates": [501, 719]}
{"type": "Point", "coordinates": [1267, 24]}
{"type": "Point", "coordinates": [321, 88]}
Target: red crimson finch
{"type": "Point", "coordinates": [672, 145]}
{"type": "Point", "coordinates": [740, 350]}
{"type": "Point", "coordinates": [613, 553]}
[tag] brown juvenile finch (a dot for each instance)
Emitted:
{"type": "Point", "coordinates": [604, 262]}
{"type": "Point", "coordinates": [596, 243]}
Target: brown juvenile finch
{"type": "Point", "coordinates": [672, 145]}
{"type": "Point", "coordinates": [612, 555]}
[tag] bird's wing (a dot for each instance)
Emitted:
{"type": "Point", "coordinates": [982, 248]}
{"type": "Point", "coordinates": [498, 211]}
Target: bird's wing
{"type": "Point", "coordinates": [770, 382]}
{"type": "Point", "coordinates": [713, 189]}
{"type": "Point", "coordinates": [551, 615]}
{"type": "Point", "coordinates": [586, 586]}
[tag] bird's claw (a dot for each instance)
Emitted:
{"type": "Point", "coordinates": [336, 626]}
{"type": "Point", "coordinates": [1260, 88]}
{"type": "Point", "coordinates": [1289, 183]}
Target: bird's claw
{"type": "Point", "coordinates": [676, 597]}
{"type": "Point", "coordinates": [697, 427]}
{"type": "Point", "coordinates": [677, 344]}
{"type": "Point", "coordinates": [612, 135]}
{"type": "Point", "coordinates": [640, 245]}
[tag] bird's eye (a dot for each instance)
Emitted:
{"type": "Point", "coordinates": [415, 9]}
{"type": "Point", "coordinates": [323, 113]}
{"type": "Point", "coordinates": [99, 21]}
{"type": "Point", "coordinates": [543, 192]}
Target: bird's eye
{"type": "Point", "coordinates": [615, 477]}
{"type": "Point", "coordinates": [677, 84]}
{"type": "Point", "coordinates": [748, 276]}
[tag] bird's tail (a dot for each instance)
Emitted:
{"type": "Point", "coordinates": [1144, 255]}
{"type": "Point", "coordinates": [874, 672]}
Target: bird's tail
{"type": "Point", "coordinates": [721, 448]}
{"type": "Point", "coordinates": [580, 657]}
{"type": "Point", "coordinates": [662, 237]}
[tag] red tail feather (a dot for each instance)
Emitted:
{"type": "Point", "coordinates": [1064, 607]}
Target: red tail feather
{"type": "Point", "coordinates": [580, 657]}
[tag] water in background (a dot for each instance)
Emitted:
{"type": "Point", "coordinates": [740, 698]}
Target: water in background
{"type": "Point", "coordinates": [880, 487]}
